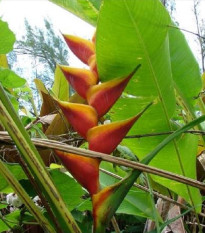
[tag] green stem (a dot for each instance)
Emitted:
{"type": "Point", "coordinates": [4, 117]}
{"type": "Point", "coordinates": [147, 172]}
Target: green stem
{"type": "Point", "coordinates": [25, 198]}
{"type": "Point", "coordinates": [35, 164]}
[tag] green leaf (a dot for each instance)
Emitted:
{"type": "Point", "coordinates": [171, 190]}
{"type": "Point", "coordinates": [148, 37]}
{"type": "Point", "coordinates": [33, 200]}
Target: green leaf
{"type": "Point", "coordinates": [13, 216]}
{"type": "Point", "coordinates": [70, 190]}
{"type": "Point", "coordinates": [3, 61]}
{"type": "Point", "coordinates": [143, 32]}
{"type": "Point", "coordinates": [84, 221]}
{"type": "Point", "coordinates": [2, 206]}
{"type": "Point", "coordinates": [9, 79]}
{"type": "Point", "coordinates": [7, 38]}
{"type": "Point", "coordinates": [14, 102]}
{"type": "Point", "coordinates": [136, 202]}
{"type": "Point", "coordinates": [3, 226]}
{"type": "Point", "coordinates": [60, 87]}
{"type": "Point", "coordinates": [185, 68]}
{"type": "Point", "coordinates": [109, 199]}
{"type": "Point", "coordinates": [17, 171]}
{"type": "Point", "coordinates": [85, 9]}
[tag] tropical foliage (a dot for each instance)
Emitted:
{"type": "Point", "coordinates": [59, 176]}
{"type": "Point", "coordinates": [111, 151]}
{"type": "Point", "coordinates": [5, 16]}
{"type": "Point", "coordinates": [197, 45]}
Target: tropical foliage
{"type": "Point", "coordinates": [141, 78]}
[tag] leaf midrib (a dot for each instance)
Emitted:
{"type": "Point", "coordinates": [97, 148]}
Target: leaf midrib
{"type": "Point", "coordinates": [158, 90]}
{"type": "Point", "coordinates": [149, 63]}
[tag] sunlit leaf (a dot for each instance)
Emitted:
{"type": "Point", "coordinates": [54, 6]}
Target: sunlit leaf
{"type": "Point", "coordinates": [60, 87]}
{"type": "Point", "coordinates": [48, 105]}
{"type": "Point", "coordinates": [185, 68]}
{"type": "Point", "coordinates": [7, 38]}
{"type": "Point", "coordinates": [87, 10]}
{"type": "Point", "coordinates": [3, 61]}
{"type": "Point", "coordinates": [9, 79]}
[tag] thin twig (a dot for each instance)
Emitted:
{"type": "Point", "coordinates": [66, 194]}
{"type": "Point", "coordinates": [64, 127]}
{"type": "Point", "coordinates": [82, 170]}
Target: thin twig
{"type": "Point", "coordinates": [115, 225]}
{"type": "Point", "coordinates": [185, 30]}
{"type": "Point", "coordinates": [196, 132]}
{"type": "Point", "coordinates": [195, 223]}
{"type": "Point", "coordinates": [51, 144]}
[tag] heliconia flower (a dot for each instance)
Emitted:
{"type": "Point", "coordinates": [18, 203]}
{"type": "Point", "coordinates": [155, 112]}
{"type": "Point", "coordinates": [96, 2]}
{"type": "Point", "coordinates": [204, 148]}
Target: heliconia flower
{"type": "Point", "coordinates": [106, 202]}
{"type": "Point", "coordinates": [82, 48]}
{"type": "Point", "coordinates": [105, 138]}
{"type": "Point", "coordinates": [103, 96]}
{"type": "Point", "coordinates": [80, 79]}
{"type": "Point", "coordinates": [84, 170]}
{"type": "Point", "coordinates": [82, 117]}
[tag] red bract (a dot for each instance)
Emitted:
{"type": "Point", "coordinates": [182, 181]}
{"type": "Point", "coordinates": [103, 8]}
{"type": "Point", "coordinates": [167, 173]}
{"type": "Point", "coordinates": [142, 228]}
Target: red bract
{"type": "Point", "coordinates": [105, 138]}
{"type": "Point", "coordinates": [82, 48]}
{"type": "Point", "coordinates": [80, 79]}
{"type": "Point", "coordinates": [84, 170]}
{"type": "Point", "coordinates": [93, 65]}
{"type": "Point", "coordinates": [82, 117]}
{"type": "Point", "coordinates": [103, 96]}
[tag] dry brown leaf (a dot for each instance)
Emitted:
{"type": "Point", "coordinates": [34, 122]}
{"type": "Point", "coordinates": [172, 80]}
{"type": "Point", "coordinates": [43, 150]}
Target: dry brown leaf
{"type": "Point", "coordinates": [58, 126]}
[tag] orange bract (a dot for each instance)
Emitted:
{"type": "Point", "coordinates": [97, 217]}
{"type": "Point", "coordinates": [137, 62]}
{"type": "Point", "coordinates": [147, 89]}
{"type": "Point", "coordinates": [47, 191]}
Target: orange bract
{"type": "Point", "coordinates": [105, 138]}
{"type": "Point", "coordinates": [82, 117]}
{"type": "Point", "coordinates": [103, 96]}
{"type": "Point", "coordinates": [80, 79]}
{"type": "Point", "coordinates": [84, 170]}
{"type": "Point", "coordinates": [82, 48]}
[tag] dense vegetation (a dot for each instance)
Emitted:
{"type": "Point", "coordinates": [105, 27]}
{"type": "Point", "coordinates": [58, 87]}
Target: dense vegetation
{"type": "Point", "coordinates": [141, 77]}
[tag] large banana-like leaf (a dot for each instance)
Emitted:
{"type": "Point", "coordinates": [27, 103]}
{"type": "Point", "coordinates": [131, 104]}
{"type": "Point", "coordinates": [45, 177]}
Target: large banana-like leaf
{"type": "Point", "coordinates": [185, 69]}
{"type": "Point", "coordinates": [85, 9]}
{"type": "Point", "coordinates": [142, 27]}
